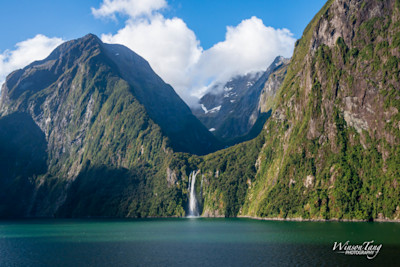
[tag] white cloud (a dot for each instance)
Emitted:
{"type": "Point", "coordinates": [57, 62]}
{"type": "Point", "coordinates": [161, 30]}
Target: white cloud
{"type": "Point", "coordinates": [26, 52]}
{"type": "Point", "coordinates": [132, 8]}
{"type": "Point", "coordinates": [168, 44]}
{"type": "Point", "coordinates": [248, 47]}
{"type": "Point", "coordinates": [174, 51]}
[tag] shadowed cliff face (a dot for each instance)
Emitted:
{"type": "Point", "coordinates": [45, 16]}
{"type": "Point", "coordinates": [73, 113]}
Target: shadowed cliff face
{"type": "Point", "coordinates": [104, 191]}
{"type": "Point", "coordinates": [82, 108]}
{"type": "Point", "coordinates": [22, 158]}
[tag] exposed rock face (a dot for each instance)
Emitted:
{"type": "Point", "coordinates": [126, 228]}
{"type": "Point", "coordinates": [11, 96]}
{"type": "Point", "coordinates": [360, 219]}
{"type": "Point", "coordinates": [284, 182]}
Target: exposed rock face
{"type": "Point", "coordinates": [272, 85]}
{"type": "Point", "coordinates": [171, 177]}
{"type": "Point", "coordinates": [336, 118]}
{"type": "Point", "coordinates": [163, 105]}
{"type": "Point", "coordinates": [309, 181]}
{"type": "Point", "coordinates": [231, 110]}
{"type": "Point", "coordinates": [355, 27]}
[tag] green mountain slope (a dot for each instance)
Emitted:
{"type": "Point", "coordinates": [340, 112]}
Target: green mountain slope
{"type": "Point", "coordinates": [337, 119]}
{"type": "Point", "coordinates": [331, 147]}
{"type": "Point", "coordinates": [99, 131]}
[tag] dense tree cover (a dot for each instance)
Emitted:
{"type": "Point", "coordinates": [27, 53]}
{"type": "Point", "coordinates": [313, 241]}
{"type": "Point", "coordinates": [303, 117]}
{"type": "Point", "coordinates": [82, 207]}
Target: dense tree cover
{"type": "Point", "coordinates": [355, 173]}
{"type": "Point", "coordinates": [312, 162]}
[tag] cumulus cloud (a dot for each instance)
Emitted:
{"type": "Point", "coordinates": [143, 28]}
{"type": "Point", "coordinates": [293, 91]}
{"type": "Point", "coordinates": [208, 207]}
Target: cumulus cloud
{"type": "Point", "coordinates": [26, 52]}
{"type": "Point", "coordinates": [132, 8]}
{"type": "Point", "coordinates": [168, 44]}
{"type": "Point", "coordinates": [248, 47]}
{"type": "Point", "coordinates": [174, 51]}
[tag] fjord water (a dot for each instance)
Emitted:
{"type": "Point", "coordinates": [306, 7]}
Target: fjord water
{"type": "Point", "coordinates": [191, 242]}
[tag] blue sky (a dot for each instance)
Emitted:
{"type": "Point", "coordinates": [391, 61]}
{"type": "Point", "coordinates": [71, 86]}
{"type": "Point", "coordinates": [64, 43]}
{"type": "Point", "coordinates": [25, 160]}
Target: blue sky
{"type": "Point", "coordinates": [191, 44]}
{"type": "Point", "coordinates": [209, 18]}
{"type": "Point", "coordinates": [23, 19]}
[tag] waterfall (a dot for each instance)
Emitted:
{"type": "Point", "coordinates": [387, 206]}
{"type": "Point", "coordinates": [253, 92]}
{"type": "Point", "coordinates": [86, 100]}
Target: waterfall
{"type": "Point", "coordinates": [193, 208]}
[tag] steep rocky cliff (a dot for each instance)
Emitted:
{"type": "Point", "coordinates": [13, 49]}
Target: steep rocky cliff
{"type": "Point", "coordinates": [332, 148]}
{"type": "Point", "coordinates": [271, 86]}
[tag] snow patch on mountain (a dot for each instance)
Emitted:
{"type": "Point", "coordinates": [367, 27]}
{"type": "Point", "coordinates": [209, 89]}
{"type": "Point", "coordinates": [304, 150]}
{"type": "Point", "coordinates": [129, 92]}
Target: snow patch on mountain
{"type": "Point", "coordinates": [213, 110]}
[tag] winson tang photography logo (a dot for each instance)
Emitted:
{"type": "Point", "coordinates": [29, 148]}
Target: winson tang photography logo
{"type": "Point", "coordinates": [367, 248]}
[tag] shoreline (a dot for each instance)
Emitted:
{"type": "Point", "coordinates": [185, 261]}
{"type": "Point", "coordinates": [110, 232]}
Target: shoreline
{"type": "Point", "coordinates": [299, 219]}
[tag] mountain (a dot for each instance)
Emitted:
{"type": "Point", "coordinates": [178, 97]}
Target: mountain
{"type": "Point", "coordinates": [331, 149]}
{"type": "Point", "coordinates": [77, 139]}
{"type": "Point", "coordinates": [333, 140]}
{"type": "Point", "coordinates": [92, 111]}
{"type": "Point", "coordinates": [231, 110]}
{"type": "Point", "coordinates": [29, 86]}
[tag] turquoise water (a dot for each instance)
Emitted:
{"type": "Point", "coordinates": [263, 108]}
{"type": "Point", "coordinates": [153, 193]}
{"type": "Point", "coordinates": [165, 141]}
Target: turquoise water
{"type": "Point", "coordinates": [191, 242]}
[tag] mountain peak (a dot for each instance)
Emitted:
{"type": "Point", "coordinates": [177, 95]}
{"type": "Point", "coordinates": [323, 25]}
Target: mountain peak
{"type": "Point", "coordinates": [234, 112]}
{"type": "Point", "coordinates": [279, 60]}
{"type": "Point", "coordinates": [90, 36]}
{"type": "Point", "coordinates": [89, 42]}
{"type": "Point", "coordinates": [78, 60]}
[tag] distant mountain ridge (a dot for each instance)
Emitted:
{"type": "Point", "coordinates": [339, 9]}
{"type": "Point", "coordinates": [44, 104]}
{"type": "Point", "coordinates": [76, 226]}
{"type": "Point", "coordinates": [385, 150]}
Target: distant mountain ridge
{"type": "Point", "coordinates": [232, 111]}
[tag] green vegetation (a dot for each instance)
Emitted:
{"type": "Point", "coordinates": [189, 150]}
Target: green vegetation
{"type": "Point", "coordinates": [122, 163]}
{"type": "Point", "coordinates": [106, 157]}
{"type": "Point", "coordinates": [330, 170]}
{"type": "Point", "coordinates": [330, 149]}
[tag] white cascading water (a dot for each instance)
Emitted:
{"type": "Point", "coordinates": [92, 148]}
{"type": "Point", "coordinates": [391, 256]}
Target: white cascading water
{"type": "Point", "coordinates": [193, 209]}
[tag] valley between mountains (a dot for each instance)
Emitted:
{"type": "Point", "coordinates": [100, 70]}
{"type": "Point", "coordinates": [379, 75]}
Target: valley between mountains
{"type": "Point", "coordinates": [93, 131]}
